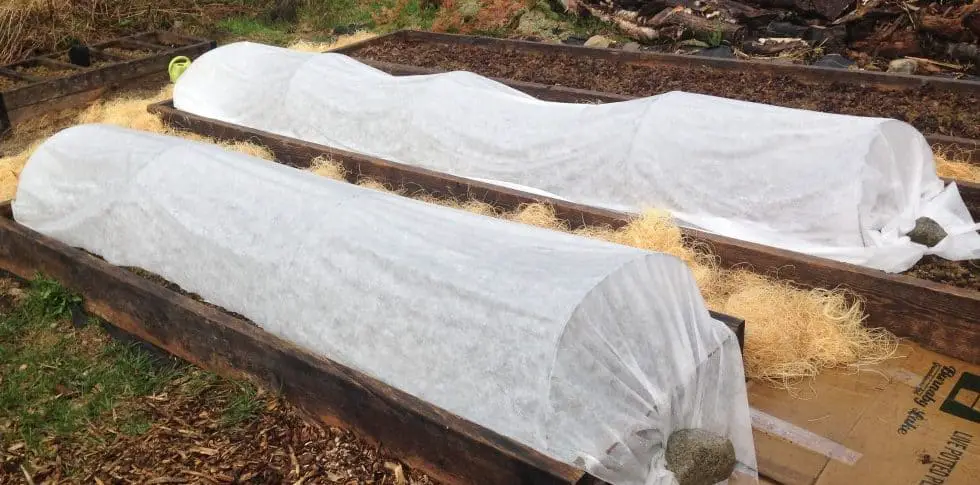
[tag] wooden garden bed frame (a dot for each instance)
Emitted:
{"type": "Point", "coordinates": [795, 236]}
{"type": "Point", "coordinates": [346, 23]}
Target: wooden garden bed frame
{"type": "Point", "coordinates": [85, 84]}
{"type": "Point", "coordinates": [447, 447]}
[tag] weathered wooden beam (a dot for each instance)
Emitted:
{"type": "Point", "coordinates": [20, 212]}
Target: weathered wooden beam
{"type": "Point", "coordinates": [68, 91]}
{"type": "Point", "coordinates": [105, 55]}
{"type": "Point", "coordinates": [447, 447]}
{"type": "Point", "coordinates": [17, 75]}
{"type": "Point", "coordinates": [940, 317]}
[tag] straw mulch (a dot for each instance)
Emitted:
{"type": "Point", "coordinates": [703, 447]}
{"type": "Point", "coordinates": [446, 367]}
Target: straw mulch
{"type": "Point", "coordinates": [341, 41]}
{"type": "Point", "coordinates": [956, 165]}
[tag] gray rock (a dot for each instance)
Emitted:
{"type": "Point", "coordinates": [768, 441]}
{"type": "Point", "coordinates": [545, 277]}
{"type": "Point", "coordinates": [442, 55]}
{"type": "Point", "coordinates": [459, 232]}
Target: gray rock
{"type": "Point", "coordinates": [723, 52]}
{"type": "Point", "coordinates": [598, 41]}
{"type": "Point", "coordinates": [469, 9]}
{"type": "Point", "coordinates": [927, 232]}
{"type": "Point", "coordinates": [631, 46]}
{"type": "Point", "coordinates": [903, 66]}
{"type": "Point", "coordinates": [700, 457]}
{"type": "Point", "coordinates": [835, 61]}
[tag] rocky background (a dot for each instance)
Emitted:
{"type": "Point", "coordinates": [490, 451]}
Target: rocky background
{"type": "Point", "coordinates": [921, 37]}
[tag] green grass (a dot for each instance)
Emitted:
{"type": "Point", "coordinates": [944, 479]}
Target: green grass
{"type": "Point", "coordinates": [327, 14]}
{"type": "Point", "coordinates": [136, 424]}
{"type": "Point", "coordinates": [242, 405]}
{"type": "Point", "coordinates": [59, 381]}
{"type": "Point", "coordinates": [256, 30]}
{"type": "Point", "coordinates": [57, 378]}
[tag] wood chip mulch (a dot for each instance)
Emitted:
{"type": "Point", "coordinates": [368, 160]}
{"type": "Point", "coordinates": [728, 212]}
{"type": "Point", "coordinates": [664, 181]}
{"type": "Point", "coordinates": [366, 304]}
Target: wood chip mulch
{"type": "Point", "coordinates": [187, 442]}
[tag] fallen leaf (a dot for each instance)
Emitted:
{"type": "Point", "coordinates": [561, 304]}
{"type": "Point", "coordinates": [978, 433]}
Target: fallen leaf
{"type": "Point", "coordinates": [396, 468]}
{"type": "Point", "coordinates": [14, 447]}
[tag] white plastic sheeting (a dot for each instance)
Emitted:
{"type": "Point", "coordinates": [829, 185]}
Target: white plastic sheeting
{"type": "Point", "coordinates": [569, 345]}
{"type": "Point", "coordinates": [842, 187]}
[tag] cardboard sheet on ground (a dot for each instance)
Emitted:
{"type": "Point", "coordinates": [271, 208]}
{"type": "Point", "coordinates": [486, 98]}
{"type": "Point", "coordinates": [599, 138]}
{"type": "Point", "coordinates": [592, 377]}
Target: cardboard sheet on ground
{"type": "Point", "coordinates": [914, 420]}
{"type": "Point", "coordinates": [843, 187]}
{"type": "Point", "coordinates": [590, 352]}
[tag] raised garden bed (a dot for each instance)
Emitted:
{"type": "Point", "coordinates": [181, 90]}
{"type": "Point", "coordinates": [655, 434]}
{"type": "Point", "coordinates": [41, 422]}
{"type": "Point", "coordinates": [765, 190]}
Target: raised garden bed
{"type": "Point", "coordinates": [963, 274]}
{"type": "Point", "coordinates": [938, 316]}
{"type": "Point", "coordinates": [450, 449]}
{"type": "Point", "coordinates": [155, 311]}
{"type": "Point", "coordinates": [45, 83]}
{"type": "Point", "coordinates": [945, 109]}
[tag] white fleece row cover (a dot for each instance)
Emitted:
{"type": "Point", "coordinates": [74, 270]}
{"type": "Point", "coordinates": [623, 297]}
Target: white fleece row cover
{"type": "Point", "coordinates": [569, 345]}
{"type": "Point", "coordinates": [842, 187]}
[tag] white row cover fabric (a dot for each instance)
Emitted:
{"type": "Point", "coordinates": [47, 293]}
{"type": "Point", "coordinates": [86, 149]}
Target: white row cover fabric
{"type": "Point", "coordinates": [569, 345]}
{"type": "Point", "coordinates": [843, 187]}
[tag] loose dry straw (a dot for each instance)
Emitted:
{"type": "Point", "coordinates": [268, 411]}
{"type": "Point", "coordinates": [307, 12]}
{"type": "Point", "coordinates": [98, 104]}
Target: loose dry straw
{"type": "Point", "coordinates": [791, 334]}
{"type": "Point", "coordinates": [956, 165]}
{"type": "Point", "coordinates": [342, 41]}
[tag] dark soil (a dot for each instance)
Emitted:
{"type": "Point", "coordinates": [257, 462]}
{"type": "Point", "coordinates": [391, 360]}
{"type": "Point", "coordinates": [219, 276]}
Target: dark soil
{"type": "Point", "coordinates": [127, 53]}
{"type": "Point", "coordinates": [963, 274]}
{"type": "Point", "coordinates": [43, 72]}
{"type": "Point", "coordinates": [930, 110]}
{"type": "Point", "coordinates": [160, 280]}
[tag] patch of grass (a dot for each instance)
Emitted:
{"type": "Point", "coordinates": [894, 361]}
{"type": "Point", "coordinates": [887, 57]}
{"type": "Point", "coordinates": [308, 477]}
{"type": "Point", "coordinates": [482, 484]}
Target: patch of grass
{"type": "Point", "coordinates": [58, 377]}
{"type": "Point", "coordinates": [256, 30]}
{"type": "Point", "coordinates": [243, 405]}
{"type": "Point", "coordinates": [326, 15]}
{"type": "Point", "coordinates": [63, 382]}
{"type": "Point", "coordinates": [136, 425]}
{"type": "Point", "coordinates": [405, 14]}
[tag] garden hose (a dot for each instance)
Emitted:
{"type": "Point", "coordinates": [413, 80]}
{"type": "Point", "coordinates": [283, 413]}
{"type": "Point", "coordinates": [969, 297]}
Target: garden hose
{"type": "Point", "coordinates": [177, 67]}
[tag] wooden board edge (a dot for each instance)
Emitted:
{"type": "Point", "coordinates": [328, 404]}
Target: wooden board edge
{"type": "Point", "coordinates": [447, 447]}
{"type": "Point", "coordinates": [939, 317]}
{"type": "Point", "coordinates": [5, 124]}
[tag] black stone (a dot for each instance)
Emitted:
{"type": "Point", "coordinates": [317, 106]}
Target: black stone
{"type": "Point", "coordinates": [722, 51]}
{"type": "Point", "coordinates": [80, 55]}
{"type": "Point", "coordinates": [835, 61]}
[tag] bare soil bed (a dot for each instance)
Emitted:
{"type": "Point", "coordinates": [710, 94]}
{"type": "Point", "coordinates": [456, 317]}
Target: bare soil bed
{"type": "Point", "coordinates": [963, 274]}
{"type": "Point", "coordinates": [127, 53]}
{"type": "Point", "coordinates": [930, 110]}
